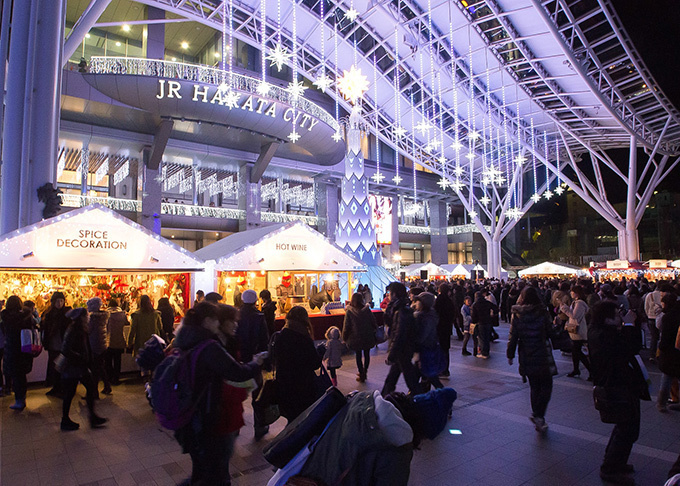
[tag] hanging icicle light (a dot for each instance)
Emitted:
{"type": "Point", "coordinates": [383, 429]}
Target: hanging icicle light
{"type": "Point", "coordinates": [322, 81]}
{"type": "Point", "coordinates": [337, 136]}
{"type": "Point", "coordinates": [535, 196]}
{"type": "Point", "coordinates": [264, 87]}
{"type": "Point", "coordinates": [378, 177]}
{"type": "Point", "coordinates": [559, 189]}
{"type": "Point", "coordinates": [279, 55]}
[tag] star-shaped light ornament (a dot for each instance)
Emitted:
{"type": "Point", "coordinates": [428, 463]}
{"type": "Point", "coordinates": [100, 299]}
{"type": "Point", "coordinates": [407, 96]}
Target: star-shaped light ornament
{"type": "Point", "coordinates": [548, 194]}
{"type": "Point", "coordinates": [458, 170]}
{"type": "Point", "coordinates": [278, 56]}
{"type": "Point", "coordinates": [536, 197]}
{"type": "Point", "coordinates": [230, 99]}
{"type": "Point", "coordinates": [296, 89]}
{"type": "Point", "coordinates": [441, 159]}
{"type": "Point", "coordinates": [397, 179]}
{"type": "Point", "coordinates": [470, 156]}
{"type": "Point", "coordinates": [293, 136]}
{"type": "Point", "coordinates": [456, 146]}
{"type": "Point", "coordinates": [514, 213]}
{"type": "Point", "coordinates": [263, 88]}
{"type": "Point", "coordinates": [351, 14]}
{"type": "Point", "coordinates": [399, 131]}
{"type": "Point", "coordinates": [485, 200]}
{"type": "Point", "coordinates": [428, 148]}
{"type": "Point", "coordinates": [337, 136]}
{"type": "Point", "coordinates": [443, 183]}
{"type": "Point", "coordinates": [519, 160]}
{"type": "Point", "coordinates": [423, 127]}
{"type": "Point", "coordinates": [472, 214]}
{"type": "Point", "coordinates": [323, 82]}
{"type": "Point", "coordinates": [456, 185]}
{"type": "Point", "coordinates": [378, 177]}
{"type": "Point", "coordinates": [559, 190]}
{"type": "Point", "coordinates": [352, 84]}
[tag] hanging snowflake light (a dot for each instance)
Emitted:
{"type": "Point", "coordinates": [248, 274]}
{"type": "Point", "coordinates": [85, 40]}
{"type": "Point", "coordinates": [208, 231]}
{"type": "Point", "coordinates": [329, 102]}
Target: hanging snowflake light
{"type": "Point", "coordinates": [279, 56]}
{"type": "Point", "coordinates": [443, 183]}
{"type": "Point", "coordinates": [399, 131]}
{"type": "Point", "coordinates": [536, 197]}
{"type": "Point", "coordinates": [263, 88]}
{"type": "Point", "coordinates": [397, 179]}
{"type": "Point", "coordinates": [323, 82]}
{"type": "Point", "coordinates": [485, 200]}
{"type": "Point", "coordinates": [352, 84]}
{"type": "Point", "coordinates": [472, 213]}
{"type": "Point", "coordinates": [548, 194]}
{"type": "Point", "coordinates": [296, 89]}
{"type": "Point", "coordinates": [378, 177]}
{"type": "Point", "coordinates": [293, 136]}
{"type": "Point", "coordinates": [337, 136]}
{"type": "Point", "coordinates": [559, 190]}
{"type": "Point", "coordinates": [351, 14]}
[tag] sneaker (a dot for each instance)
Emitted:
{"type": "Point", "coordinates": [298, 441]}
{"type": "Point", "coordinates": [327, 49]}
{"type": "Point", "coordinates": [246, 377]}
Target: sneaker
{"type": "Point", "coordinates": [68, 424]}
{"type": "Point", "coordinates": [539, 424]}
{"type": "Point", "coordinates": [261, 432]}
{"type": "Point", "coordinates": [97, 422]}
{"type": "Point", "coordinates": [466, 353]}
{"type": "Point", "coordinates": [574, 374]}
{"type": "Point", "coordinates": [482, 356]}
{"type": "Point", "coordinates": [18, 405]}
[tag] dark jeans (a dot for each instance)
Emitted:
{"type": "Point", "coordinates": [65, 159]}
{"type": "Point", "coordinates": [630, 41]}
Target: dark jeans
{"type": "Point", "coordinates": [99, 370]}
{"type": "Point", "coordinates": [19, 386]}
{"type": "Point", "coordinates": [445, 344]}
{"type": "Point", "coordinates": [70, 385]}
{"type": "Point", "coordinates": [362, 365]}
{"type": "Point", "coordinates": [621, 442]}
{"type": "Point", "coordinates": [112, 364]}
{"type": "Point", "coordinates": [484, 338]}
{"type": "Point", "coordinates": [578, 356]}
{"type": "Point", "coordinates": [53, 378]}
{"type": "Point", "coordinates": [541, 391]}
{"type": "Point", "coordinates": [210, 460]}
{"type": "Point", "coordinates": [257, 411]}
{"type": "Point", "coordinates": [654, 332]}
{"type": "Point", "coordinates": [411, 377]}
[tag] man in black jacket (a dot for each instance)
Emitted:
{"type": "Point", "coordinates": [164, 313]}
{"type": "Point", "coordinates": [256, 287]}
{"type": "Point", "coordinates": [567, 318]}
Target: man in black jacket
{"type": "Point", "coordinates": [482, 316]}
{"type": "Point", "coordinates": [253, 338]}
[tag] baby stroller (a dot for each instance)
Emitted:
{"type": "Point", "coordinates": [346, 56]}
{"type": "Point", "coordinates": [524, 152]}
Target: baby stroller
{"type": "Point", "coordinates": [352, 441]}
{"type": "Point", "coordinates": [148, 358]}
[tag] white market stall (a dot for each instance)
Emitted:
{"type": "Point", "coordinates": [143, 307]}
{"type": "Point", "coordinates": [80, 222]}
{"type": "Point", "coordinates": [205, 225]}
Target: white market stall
{"type": "Point", "coordinates": [457, 270]}
{"type": "Point", "coordinates": [93, 251]}
{"type": "Point", "coordinates": [549, 269]}
{"type": "Point", "coordinates": [293, 261]}
{"type": "Point", "coordinates": [414, 270]}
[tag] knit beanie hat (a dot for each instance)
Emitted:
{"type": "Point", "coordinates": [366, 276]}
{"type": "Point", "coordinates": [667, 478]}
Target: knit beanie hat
{"type": "Point", "coordinates": [94, 304]}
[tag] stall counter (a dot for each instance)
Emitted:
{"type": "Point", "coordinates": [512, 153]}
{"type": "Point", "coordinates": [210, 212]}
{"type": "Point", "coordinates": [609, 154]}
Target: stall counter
{"type": "Point", "coordinates": [321, 322]}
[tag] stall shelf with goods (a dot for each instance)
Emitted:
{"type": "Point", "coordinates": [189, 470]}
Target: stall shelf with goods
{"type": "Point", "coordinates": [297, 264]}
{"type": "Point", "coordinates": [93, 252]}
{"type": "Point", "coordinates": [652, 270]}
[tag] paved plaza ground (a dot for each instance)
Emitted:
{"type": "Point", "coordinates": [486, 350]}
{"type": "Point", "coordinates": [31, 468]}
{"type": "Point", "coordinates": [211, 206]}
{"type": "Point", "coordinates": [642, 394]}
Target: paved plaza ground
{"type": "Point", "coordinates": [497, 446]}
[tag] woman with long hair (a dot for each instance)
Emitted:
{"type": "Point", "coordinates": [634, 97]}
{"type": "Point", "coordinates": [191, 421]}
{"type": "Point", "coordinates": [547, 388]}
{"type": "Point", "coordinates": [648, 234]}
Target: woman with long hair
{"type": "Point", "coordinates": [358, 331]}
{"type": "Point", "coordinates": [577, 328]}
{"type": "Point", "coordinates": [145, 322]}
{"type": "Point", "coordinates": [530, 327]}
{"type": "Point", "coordinates": [296, 361]}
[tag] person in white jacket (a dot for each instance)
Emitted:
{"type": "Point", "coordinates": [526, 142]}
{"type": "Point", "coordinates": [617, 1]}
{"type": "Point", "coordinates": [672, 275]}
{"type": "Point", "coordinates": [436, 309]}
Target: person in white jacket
{"type": "Point", "coordinates": [653, 310]}
{"type": "Point", "coordinates": [577, 328]}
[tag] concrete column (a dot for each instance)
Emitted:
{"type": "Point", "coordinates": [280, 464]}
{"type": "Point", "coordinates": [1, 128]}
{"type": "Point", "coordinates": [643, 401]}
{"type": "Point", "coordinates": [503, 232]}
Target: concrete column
{"type": "Point", "coordinates": [493, 258]}
{"type": "Point", "coordinates": [327, 209]}
{"type": "Point", "coordinates": [44, 118]}
{"type": "Point", "coordinates": [16, 99]}
{"type": "Point", "coordinates": [155, 41]}
{"type": "Point", "coordinates": [249, 199]}
{"type": "Point", "coordinates": [151, 195]}
{"type": "Point", "coordinates": [438, 238]}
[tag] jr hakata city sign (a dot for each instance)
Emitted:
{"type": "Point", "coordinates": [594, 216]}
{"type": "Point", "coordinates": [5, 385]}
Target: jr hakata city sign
{"type": "Point", "coordinates": [232, 99]}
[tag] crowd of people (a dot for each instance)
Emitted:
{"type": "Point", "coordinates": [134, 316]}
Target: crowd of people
{"type": "Point", "coordinates": [605, 325]}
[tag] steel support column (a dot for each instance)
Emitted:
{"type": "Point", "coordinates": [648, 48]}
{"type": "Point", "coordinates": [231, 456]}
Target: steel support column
{"type": "Point", "coordinates": [82, 26]}
{"type": "Point", "coordinates": [630, 249]}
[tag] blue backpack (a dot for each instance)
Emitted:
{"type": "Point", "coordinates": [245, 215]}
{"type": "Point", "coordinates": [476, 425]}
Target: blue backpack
{"type": "Point", "coordinates": [172, 387]}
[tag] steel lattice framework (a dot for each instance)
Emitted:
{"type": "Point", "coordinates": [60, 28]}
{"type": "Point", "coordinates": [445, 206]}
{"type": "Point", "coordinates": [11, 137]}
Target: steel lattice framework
{"type": "Point", "coordinates": [507, 80]}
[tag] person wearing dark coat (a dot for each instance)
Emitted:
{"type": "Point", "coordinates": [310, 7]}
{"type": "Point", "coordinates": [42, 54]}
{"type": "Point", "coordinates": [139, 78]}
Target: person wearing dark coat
{"type": "Point", "coordinates": [447, 315]}
{"type": "Point", "coordinates": [458, 297]}
{"type": "Point", "coordinates": [269, 310]}
{"type": "Point", "coordinates": [200, 437]}
{"type": "Point", "coordinates": [296, 362]}
{"type": "Point", "coordinates": [358, 332]}
{"type": "Point", "coordinates": [669, 356]}
{"type": "Point", "coordinates": [483, 317]}
{"type": "Point", "coordinates": [427, 341]}
{"type": "Point", "coordinates": [53, 326]}
{"type": "Point", "coordinates": [78, 368]}
{"type": "Point", "coordinates": [399, 318]}
{"type": "Point", "coordinates": [99, 343]}
{"type": "Point", "coordinates": [529, 330]}
{"type": "Point", "coordinates": [612, 350]}
{"type": "Point", "coordinates": [17, 364]}
{"type": "Point", "coordinates": [167, 318]}
{"type": "Point", "coordinates": [252, 337]}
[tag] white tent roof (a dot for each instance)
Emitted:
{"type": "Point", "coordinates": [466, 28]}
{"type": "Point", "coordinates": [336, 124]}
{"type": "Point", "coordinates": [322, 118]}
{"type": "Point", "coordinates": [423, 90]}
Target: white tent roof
{"type": "Point", "coordinates": [432, 270]}
{"type": "Point", "coordinates": [456, 269]}
{"type": "Point", "coordinates": [675, 264]}
{"type": "Point", "coordinates": [92, 238]}
{"type": "Point", "coordinates": [289, 246]}
{"type": "Point", "coordinates": [549, 268]}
